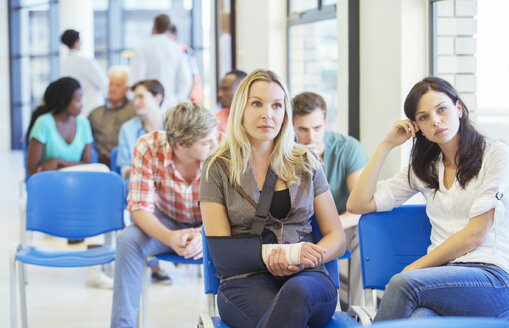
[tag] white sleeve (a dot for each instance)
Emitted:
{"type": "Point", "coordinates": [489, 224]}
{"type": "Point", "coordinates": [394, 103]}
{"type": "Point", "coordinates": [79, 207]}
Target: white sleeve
{"type": "Point", "coordinates": [496, 178]}
{"type": "Point", "coordinates": [394, 191]}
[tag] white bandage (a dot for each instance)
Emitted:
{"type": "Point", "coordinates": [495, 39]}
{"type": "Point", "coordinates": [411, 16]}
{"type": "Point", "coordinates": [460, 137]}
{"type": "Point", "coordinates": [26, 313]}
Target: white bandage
{"type": "Point", "coordinates": [292, 252]}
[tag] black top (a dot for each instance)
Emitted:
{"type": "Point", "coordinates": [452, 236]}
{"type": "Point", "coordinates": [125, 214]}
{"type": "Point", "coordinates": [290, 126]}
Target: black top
{"type": "Point", "coordinates": [281, 204]}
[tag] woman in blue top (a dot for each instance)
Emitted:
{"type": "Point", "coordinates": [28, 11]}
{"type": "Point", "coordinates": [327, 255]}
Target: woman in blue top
{"type": "Point", "coordinates": [57, 136]}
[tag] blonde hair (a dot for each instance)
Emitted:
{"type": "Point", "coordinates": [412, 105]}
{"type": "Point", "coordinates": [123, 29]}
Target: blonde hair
{"type": "Point", "coordinates": [188, 122]}
{"type": "Point", "coordinates": [287, 157]}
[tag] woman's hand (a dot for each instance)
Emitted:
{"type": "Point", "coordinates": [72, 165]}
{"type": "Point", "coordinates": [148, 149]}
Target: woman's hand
{"type": "Point", "coordinates": [277, 265]}
{"type": "Point", "coordinates": [400, 132]}
{"type": "Point", "coordinates": [311, 255]}
{"type": "Point", "coordinates": [50, 165]}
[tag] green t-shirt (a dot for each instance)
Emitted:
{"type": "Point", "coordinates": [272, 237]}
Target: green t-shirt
{"type": "Point", "coordinates": [45, 131]}
{"type": "Point", "coordinates": [342, 156]}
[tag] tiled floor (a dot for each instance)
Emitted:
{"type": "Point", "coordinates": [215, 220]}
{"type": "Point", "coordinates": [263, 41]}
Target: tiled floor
{"type": "Point", "coordinates": [59, 298]}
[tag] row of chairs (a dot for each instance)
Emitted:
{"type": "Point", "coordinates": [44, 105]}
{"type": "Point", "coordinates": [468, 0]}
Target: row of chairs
{"type": "Point", "coordinates": [56, 205]}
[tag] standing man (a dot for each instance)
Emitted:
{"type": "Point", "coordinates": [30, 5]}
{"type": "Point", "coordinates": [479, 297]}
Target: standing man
{"type": "Point", "coordinates": [90, 75]}
{"type": "Point", "coordinates": [163, 201]}
{"type": "Point", "coordinates": [227, 89]}
{"type": "Point", "coordinates": [106, 120]}
{"type": "Point", "coordinates": [343, 161]}
{"type": "Point", "coordinates": [161, 58]}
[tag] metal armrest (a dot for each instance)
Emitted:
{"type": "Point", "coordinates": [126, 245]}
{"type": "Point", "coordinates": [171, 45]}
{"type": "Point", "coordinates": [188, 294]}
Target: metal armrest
{"type": "Point", "coordinates": [205, 321]}
{"type": "Point", "coordinates": [362, 314]}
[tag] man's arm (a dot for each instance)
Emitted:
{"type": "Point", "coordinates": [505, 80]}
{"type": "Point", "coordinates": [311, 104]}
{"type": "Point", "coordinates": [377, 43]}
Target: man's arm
{"type": "Point", "coordinates": [185, 242]}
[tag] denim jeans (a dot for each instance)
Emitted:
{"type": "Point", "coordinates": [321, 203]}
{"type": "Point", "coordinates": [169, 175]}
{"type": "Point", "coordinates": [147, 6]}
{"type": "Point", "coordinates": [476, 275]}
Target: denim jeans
{"type": "Point", "coordinates": [456, 289]}
{"type": "Point", "coordinates": [306, 299]}
{"type": "Point", "coordinates": [133, 247]}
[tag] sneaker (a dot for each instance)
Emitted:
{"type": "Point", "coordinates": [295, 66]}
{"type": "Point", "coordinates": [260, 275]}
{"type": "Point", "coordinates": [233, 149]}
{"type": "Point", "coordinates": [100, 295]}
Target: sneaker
{"type": "Point", "coordinates": [98, 279]}
{"type": "Point", "coordinates": [161, 277]}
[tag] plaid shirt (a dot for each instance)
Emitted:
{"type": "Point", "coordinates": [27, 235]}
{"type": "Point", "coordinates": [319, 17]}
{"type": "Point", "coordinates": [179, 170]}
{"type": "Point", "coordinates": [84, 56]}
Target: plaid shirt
{"type": "Point", "coordinates": [156, 182]}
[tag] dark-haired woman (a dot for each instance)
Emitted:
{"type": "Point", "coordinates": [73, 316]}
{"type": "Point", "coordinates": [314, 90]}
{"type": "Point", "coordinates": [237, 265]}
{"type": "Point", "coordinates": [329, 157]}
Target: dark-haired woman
{"type": "Point", "coordinates": [462, 175]}
{"type": "Point", "coordinates": [57, 136]}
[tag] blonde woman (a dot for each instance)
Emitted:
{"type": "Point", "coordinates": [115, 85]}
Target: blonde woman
{"type": "Point", "coordinates": [292, 289]}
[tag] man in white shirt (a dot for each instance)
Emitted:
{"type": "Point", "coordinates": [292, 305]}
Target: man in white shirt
{"type": "Point", "coordinates": [162, 59]}
{"type": "Point", "coordinates": [87, 71]}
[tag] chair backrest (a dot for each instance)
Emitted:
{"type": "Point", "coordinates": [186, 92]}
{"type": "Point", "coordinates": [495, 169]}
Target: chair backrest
{"type": "Point", "coordinates": [209, 270]}
{"type": "Point", "coordinates": [391, 240]}
{"type": "Point", "coordinates": [74, 204]}
{"type": "Point", "coordinates": [113, 161]}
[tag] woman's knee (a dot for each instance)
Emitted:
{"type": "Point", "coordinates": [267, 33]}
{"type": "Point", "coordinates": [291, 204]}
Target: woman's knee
{"type": "Point", "coordinates": [400, 282]}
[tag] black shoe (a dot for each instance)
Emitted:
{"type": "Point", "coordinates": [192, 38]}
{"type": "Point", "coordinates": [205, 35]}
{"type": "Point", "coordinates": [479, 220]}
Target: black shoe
{"type": "Point", "coordinates": [74, 241]}
{"type": "Point", "coordinates": [161, 277]}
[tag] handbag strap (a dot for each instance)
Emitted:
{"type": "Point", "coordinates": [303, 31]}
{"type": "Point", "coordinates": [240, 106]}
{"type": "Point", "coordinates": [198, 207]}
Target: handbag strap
{"type": "Point", "coordinates": [262, 209]}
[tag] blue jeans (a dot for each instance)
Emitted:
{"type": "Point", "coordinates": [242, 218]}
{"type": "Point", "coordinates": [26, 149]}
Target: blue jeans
{"type": "Point", "coordinates": [306, 299]}
{"type": "Point", "coordinates": [133, 247]}
{"type": "Point", "coordinates": [457, 289]}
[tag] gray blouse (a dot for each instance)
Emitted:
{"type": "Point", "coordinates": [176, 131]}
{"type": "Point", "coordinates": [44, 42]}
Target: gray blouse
{"type": "Point", "coordinates": [295, 227]}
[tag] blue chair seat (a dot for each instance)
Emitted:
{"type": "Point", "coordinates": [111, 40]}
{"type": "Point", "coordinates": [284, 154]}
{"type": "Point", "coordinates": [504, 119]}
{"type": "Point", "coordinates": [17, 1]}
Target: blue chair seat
{"type": "Point", "coordinates": [443, 322]}
{"type": "Point", "coordinates": [177, 259]}
{"type": "Point", "coordinates": [50, 257]}
{"type": "Point", "coordinates": [340, 320]}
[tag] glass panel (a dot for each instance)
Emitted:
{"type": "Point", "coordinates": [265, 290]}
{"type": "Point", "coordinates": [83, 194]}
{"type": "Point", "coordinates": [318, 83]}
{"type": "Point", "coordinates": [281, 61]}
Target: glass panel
{"type": "Point", "coordinates": [100, 31]}
{"type": "Point", "coordinates": [102, 59]}
{"type": "Point", "coordinates": [39, 77]}
{"type": "Point", "coordinates": [39, 35]}
{"type": "Point", "coordinates": [29, 3]}
{"type": "Point", "coordinates": [224, 39]}
{"type": "Point", "coordinates": [297, 6]}
{"type": "Point", "coordinates": [313, 63]}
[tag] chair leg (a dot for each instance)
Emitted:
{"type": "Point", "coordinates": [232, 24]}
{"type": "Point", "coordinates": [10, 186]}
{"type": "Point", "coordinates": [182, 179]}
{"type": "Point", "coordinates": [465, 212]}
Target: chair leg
{"type": "Point", "coordinates": [12, 289]}
{"type": "Point", "coordinates": [211, 304]}
{"type": "Point", "coordinates": [22, 295]}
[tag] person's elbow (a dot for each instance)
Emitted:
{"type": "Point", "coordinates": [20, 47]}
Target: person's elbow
{"type": "Point", "coordinates": [355, 207]}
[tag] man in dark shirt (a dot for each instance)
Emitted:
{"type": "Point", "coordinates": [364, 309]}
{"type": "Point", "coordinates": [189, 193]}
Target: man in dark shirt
{"type": "Point", "coordinates": [106, 120]}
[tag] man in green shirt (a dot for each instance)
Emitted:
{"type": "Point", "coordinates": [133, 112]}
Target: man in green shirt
{"type": "Point", "coordinates": [343, 161]}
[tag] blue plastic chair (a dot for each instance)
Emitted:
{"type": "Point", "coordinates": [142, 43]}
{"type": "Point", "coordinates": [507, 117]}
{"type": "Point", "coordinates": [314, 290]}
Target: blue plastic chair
{"type": "Point", "coordinates": [70, 205]}
{"type": "Point", "coordinates": [388, 242]}
{"type": "Point", "coordinates": [444, 322]}
{"type": "Point", "coordinates": [211, 282]}
{"type": "Point", "coordinates": [113, 161]}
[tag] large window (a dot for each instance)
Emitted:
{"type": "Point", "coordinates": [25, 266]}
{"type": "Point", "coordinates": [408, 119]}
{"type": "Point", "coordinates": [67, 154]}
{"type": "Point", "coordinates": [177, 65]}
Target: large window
{"type": "Point", "coordinates": [34, 59]}
{"type": "Point", "coordinates": [313, 56]}
{"type": "Point", "coordinates": [466, 53]}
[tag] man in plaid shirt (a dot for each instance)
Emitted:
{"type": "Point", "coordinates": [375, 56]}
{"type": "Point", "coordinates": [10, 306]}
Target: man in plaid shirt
{"type": "Point", "coordinates": [163, 201]}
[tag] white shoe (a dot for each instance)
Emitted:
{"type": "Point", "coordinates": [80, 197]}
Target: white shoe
{"type": "Point", "coordinates": [98, 279]}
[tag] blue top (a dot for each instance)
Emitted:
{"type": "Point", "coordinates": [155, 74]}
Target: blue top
{"type": "Point", "coordinates": [45, 131]}
{"type": "Point", "coordinates": [129, 133]}
{"type": "Point", "coordinates": [342, 156]}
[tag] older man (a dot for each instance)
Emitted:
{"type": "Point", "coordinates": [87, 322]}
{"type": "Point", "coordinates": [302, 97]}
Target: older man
{"type": "Point", "coordinates": [106, 120]}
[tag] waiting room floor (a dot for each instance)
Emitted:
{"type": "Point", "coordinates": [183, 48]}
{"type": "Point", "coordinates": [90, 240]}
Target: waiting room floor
{"type": "Point", "coordinates": [59, 298]}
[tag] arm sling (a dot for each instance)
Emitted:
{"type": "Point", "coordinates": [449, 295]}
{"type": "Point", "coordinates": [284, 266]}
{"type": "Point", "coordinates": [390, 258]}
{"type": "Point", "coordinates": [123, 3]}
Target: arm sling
{"type": "Point", "coordinates": [242, 254]}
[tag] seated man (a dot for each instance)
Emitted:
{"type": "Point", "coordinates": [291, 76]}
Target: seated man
{"type": "Point", "coordinates": [163, 201]}
{"type": "Point", "coordinates": [106, 120]}
{"type": "Point", "coordinates": [343, 161]}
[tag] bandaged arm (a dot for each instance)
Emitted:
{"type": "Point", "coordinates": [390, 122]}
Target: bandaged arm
{"type": "Point", "coordinates": [292, 252]}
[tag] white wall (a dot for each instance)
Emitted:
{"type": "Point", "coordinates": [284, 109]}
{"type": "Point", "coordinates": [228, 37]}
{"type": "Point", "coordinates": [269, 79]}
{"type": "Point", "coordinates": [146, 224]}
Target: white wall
{"type": "Point", "coordinates": [5, 98]}
{"type": "Point", "coordinates": [261, 35]}
{"type": "Point", "coordinates": [393, 57]}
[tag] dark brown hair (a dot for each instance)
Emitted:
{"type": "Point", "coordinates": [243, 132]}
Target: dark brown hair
{"type": "Point", "coordinates": [306, 102]}
{"type": "Point", "coordinates": [162, 24]}
{"type": "Point", "coordinates": [425, 153]}
{"type": "Point", "coordinates": [153, 86]}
